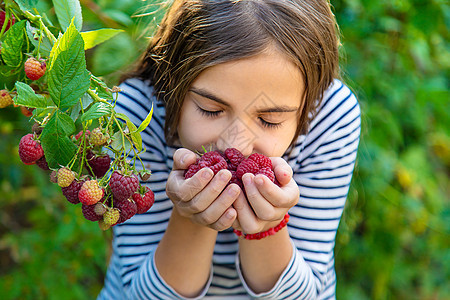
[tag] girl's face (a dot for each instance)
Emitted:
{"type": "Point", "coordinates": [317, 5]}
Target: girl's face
{"type": "Point", "coordinates": [250, 104]}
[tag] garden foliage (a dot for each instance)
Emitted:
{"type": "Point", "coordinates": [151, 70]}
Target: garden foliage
{"type": "Point", "coordinates": [393, 239]}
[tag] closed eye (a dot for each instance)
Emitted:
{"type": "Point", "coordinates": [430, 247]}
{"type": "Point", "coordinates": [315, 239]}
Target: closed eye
{"type": "Point", "coordinates": [269, 125]}
{"type": "Point", "coordinates": [209, 113]}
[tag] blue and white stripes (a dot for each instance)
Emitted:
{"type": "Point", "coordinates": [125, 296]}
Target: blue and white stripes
{"type": "Point", "coordinates": [322, 161]}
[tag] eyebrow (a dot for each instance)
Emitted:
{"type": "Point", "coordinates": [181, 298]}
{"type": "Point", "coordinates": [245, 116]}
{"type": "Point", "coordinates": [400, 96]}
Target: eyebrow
{"type": "Point", "coordinates": [276, 109]}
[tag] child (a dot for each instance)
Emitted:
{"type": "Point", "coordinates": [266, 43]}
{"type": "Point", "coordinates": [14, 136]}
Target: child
{"type": "Point", "coordinates": [259, 76]}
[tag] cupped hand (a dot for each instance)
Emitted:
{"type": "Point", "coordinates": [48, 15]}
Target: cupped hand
{"type": "Point", "coordinates": [266, 203]}
{"type": "Point", "coordinates": [204, 198]}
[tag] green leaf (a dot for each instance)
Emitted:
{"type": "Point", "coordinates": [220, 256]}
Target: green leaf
{"type": "Point", "coordinates": [101, 88]}
{"type": "Point", "coordinates": [27, 97]}
{"type": "Point", "coordinates": [26, 4]}
{"type": "Point", "coordinates": [117, 143]}
{"type": "Point", "coordinates": [123, 117]}
{"type": "Point", "coordinates": [58, 147]}
{"type": "Point", "coordinates": [68, 78]}
{"type": "Point", "coordinates": [96, 37]}
{"type": "Point", "coordinates": [13, 43]}
{"type": "Point", "coordinates": [86, 100]}
{"type": "Point", "coordinates": [146, 121]}
{"type": "Point", "coordinates": [135, 135]}
{"type": "Point", "coordinates": [66, 10]}
{"type": "Point", "coordinates": [96, 111]}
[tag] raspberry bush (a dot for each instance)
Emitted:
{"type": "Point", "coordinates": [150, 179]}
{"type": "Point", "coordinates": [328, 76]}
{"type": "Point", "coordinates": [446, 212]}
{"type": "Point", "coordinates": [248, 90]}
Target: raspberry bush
{"type": "Point", "coordinates": [90, 150]}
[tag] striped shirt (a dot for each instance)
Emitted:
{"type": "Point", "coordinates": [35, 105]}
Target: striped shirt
{"type": "Point", "coordinates": [322, 162]}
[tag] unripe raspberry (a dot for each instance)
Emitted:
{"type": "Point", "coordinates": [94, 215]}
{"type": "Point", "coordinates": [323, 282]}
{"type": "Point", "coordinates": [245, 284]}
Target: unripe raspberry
{"type": "Point", "coordinates": [34, 69]}
{"type": "Point", "coordinates": [65, 177]}
{"type": "Point", "coordinates": [97, 138]}
{"type": "Point", "coordinates": [111, 216]}
{"type": "Point", "coordinates": [100, 208]}
{"type": "Point", "coordinates": [103, 226]}
{"type": "Point", "coordinates": [90, 193]}
{"type": "Point", "coordinates": [5, 98]}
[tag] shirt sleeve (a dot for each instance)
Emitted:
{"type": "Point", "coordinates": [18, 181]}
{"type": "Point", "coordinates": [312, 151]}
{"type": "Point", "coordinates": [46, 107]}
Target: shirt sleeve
{"type": "Point", "coordinates": [323, 161]}
{"type": "Point", "coordinates": [136, 240]}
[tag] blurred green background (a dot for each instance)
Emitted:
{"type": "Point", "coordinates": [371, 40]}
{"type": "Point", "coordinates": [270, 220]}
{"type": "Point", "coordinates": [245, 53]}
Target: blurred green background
{"type": "Point", "coordinates": [394, 238]}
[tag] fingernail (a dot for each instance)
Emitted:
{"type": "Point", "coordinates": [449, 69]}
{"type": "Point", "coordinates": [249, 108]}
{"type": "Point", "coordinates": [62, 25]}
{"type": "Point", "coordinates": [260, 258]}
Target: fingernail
{"type": "Point", "coordinates": [232, 191]}
{"type": "Point", "coordinates": [259, 181]}
{"type": "Point", "coordinates": [224, 176]}
{"type": "Point", "coordinates": [183, 158]}
{"type": "Point", "coordinates": [206, 174]}
{"type": "Point", "coordinates": [246, 179]}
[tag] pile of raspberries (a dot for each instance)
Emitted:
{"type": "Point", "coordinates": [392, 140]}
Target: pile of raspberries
{"type": "Point", "coordinates": [108, 202]}
{"type": "Point", "coordinates": [233, 160]}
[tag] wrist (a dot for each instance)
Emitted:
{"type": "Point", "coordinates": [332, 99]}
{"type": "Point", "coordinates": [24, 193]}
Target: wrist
{"type": "Point", "coordinates": [264, 233]}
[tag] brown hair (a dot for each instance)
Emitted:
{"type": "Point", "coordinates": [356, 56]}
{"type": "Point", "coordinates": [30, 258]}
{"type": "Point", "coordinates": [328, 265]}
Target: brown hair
{"type": "Point", "coordinates": [197, 34]}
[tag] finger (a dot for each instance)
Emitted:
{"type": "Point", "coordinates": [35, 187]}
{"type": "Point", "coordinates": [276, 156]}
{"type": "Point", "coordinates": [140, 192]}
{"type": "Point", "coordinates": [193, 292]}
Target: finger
{"type": "Point", "coordinates": [183, 158]}
{"type": "Point", "coordinates": [247, 221]}
{"type": "Point", "coordinates": [180, 189]}
{"type": "Point", "coordinates": [218, 214]}
{"type": "Point", "coordinates": [263, 209]}
{"type": "Point", "coordinates": [286, 196]}
{"type": "Point", "coordinates": [209, 193]}
{"type": "Point", "coordinates": [226, 220]}
{"type": "Point", "coordinates": [283, 172]}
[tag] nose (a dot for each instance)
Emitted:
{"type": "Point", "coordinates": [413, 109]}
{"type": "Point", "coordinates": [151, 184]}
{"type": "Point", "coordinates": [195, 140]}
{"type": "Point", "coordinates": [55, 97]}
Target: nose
{"type": "Point", "coordinates": [237, 135]}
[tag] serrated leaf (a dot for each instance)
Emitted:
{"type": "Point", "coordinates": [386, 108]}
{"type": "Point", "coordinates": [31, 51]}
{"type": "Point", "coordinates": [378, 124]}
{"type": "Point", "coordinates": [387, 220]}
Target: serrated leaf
{"type": "Point", "coordinates": [58, 147]}
{"type": "Point", "coordinates": [86, 100]}
{"type": "Point", "coordinates": [146, 121]}
{"type": "Point", "coordinates": [68, 78]}
{"type": "Point", "coordinates": [96, 37]}
{"type": "Point", "coordinates": [66, 10]}
{"type": "Point", "coordinates": [118, 144]}
{"type": "Point", "coordinates": [27, 97]}
{"type": "Point", "coordinates": [12, 44]}
{"type": "Point", "coordinates": [96, 111]}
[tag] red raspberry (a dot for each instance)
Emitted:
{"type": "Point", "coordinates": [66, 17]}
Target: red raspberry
{"type": "Point", "coordinates": [90, 193]}
{"type": "Point", "coordinates": [98, 163]}
{"type": "Point", "coordinates": [262, 160]}
{"type": "Point", "coordinates": [11, 21]}
{"type": "Point", "coordinates": [89, 213]}
{"type": "Point", "coordinates": [122, 186]}
{"type": "Point", "coordinates": [127, 209]}
{"type": "Point", "coordinates": [235, 180]}
{"type": "Point", "coordinates": [212, 160]}
{"type": "Point", "coordinates": [5, 97]}
{"type": "Point", "coordinates": [42, 163]}
{"type": "Point", "coordinates": [233, 157]}
{"type": "Point", "coordinates": [79, 134]}
{"type": "Point", "coordinates": [144, 200]}
{"type": "Point", "coordinates": [34, 69]}
{"type": "Point", "coordinates": [246, 166]}
{"type": "Point", "coordinates": [71, 192]}
{"type": "Point", "coordinates": [65, 177]}
{"type": "Point", "coordinates": [30, 150]}
{"type": "Point", "coordinates": [268, 172]}
{"type": "Point", "coordinates": [26, 111]}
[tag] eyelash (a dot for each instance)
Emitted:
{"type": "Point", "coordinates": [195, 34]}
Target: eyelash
{"type": "Point", "coordinates": [212, 114]}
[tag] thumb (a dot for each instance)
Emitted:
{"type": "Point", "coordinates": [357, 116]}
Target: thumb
{"type": "Point", "coordinates": [183, 158]}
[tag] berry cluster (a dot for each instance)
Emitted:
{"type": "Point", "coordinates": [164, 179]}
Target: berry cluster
{"type": "Point", "coordinates": [110, 200]}
{"type": "Point", "coordinates": [233, 160]}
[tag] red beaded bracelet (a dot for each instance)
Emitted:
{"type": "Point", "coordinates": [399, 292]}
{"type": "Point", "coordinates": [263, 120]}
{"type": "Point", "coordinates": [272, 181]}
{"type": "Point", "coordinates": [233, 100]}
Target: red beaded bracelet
{"type": "Point", "coordinates": [263, 234]}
